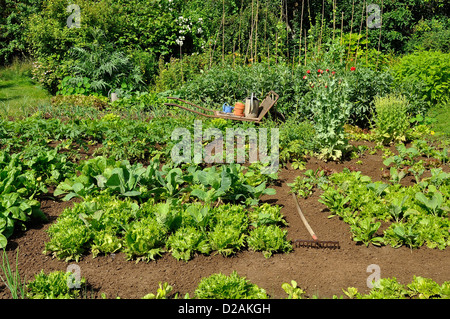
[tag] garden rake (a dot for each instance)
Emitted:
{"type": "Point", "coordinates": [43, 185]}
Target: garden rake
{"type": "Point", "coordinates": [315, 242]}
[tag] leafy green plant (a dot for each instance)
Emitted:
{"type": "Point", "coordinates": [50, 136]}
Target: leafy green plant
{"type": "Point", "coordinates": [364, 230]}
{"type": "Point", "coordinates": [97, 102]}
{"type": "Point", "coordinates": [430, 35]}
{"type": "Point", "coordinates": [396, 175]}
{"type": "Point", "coordinates": [226, 239]}
{"type": "Point", "coordinates": [391, 119]}
{"type": "Point", "coordinates": [186, 241]}
{"type": "Point", "coordinates": [18, 186]}
{"type": "Point", "coordinates": [82, 87]}
{"type": "Point", "coordinates": [219, 183]}
{"type": "Point", "coordinates": [266, 214]}
{"type": "Point", "coordinates": [293, 291]}
{"type": "Point", "coordinates": [425, 288]}
{"type": "Point", "coordinates": [228, 183]}
{"type": "Point", "coordinates": [161, 293]}
{"type": "Point", "coordinates": [433, 205]}
{"type": "Point", "coordinates": [144, 240]}
{"type": "Point", "coordinates": [53, 286]}
{"type": "Point", "coordinates": [268, 239]}
{"type": "Point", "coordinates": [368, 204]}
{"type": "Point", "coordinates": [439, 177]}
{"type": "Point", "coordinates": [429, 68]}
{"type": "Point", "coordinates": [328, 100]}
{"type": "Point", "coordinates": [386, 288]}
{"type": "Point", "coordinates": [69, 238]}
{"type": "Point", "coordinates": [98, 68]}
{"type": "Point", "coordinates": [390, 288]}
{"type": "Point", "coordinates": [397, 208]}
{"type": "Point", "coordinates": [105, 241]}
{"type": "Point", "coordinates": [398, 234]}
{"type": "Point", "coordinates": [334, 200]}
{"type": "Point", "coordinates": [364, 85]}
{"type": "Point", "coordinates": [220, 286]}
{"type": "Point", "coordinates": [417, 169]}
{"type": "Point", "coordinates": [305, 185]}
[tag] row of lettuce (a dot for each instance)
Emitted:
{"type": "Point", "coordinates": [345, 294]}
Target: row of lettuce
{"type": "Point", "coordinates": [234, 286]}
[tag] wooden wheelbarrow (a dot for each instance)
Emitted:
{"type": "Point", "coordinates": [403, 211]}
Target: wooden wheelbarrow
{"type": "Point", "coordinates": [267, 104]}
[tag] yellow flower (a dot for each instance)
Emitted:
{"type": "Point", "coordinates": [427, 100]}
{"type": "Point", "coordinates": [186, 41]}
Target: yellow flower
{"type": "Point", "coordinates": [432, 132]}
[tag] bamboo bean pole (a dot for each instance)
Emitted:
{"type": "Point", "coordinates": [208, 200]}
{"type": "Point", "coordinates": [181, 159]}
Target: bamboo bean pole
{"type": "Point", "coordinates": [223, 31]}
{"type": "Point", "coordinates": [367, 38]}
{"type": "Point", "coordinates": [360, 30]}
{"type": "Point", "coordinates": [287, 29]}
{"type": "Point", "coordinates": [250, 40]}
{"type": "Point", "coordinates": [301, 32]}
{"type": "Point", "coordinates": [306, 39]}
{"type": "Point", "coordinates": [379, 39]}
{"type": "Point", "coordinates": [240, 27]}
{"type": "Point", "coordinates": [334, 18]}
{"type": "Point", "coordinates": [342, 29]}
{"type": "Point", "coordinates": [265, 36]}
{"type": "Point", "coordinates": [321, 28]}
{"type": "Point", "coordinates": [351, 31]}
{"type": "Point", "coordinates": [256, 31]}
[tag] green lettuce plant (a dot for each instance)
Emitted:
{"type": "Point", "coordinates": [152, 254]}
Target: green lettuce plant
{"type": "Point", "coordinates": [220, 286]}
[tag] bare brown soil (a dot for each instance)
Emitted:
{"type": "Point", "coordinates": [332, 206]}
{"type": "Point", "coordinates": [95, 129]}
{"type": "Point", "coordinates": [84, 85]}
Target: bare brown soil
{"type": "Point", "coordinates": [321, 272]}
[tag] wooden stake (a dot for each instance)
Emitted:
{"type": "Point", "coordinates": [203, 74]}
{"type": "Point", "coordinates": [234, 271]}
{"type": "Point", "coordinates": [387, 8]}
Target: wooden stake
{"type": "Point", "coordinates": [250, 40]}
{"type": "Point", "coordinates": [360, 30]}
{"type": "Point", "coordinates": [223, 31]}
{"type": "Point", "coordinates": [351, 30]}
{"type": "Point", "coordinates": [342, 29]}
{"type": "Point", "coordinates": [367, 38]}
{"type": "Point", "coordinates": [334, 18]}
{"type": "Point", "coordinates": [256, 31]}
{"type": "Point", "coordinates": [321, 29]}
{"type": "Point", "coordinates": [287, 29]}
{"type": "Point", "coordinates": [301, 32]}
{"type": "Point", "coordinates": [265, 36]}
{"type": "Point", "coordinates": [240, 22]}
{"type": "Point", "coordinates": [306, 39]}
{"type": "Point", "coordinates": [379, 39]}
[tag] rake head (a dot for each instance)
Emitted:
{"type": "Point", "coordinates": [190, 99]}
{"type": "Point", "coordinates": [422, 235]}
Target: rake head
{"type": "Point", "coordinates": [316, 243]}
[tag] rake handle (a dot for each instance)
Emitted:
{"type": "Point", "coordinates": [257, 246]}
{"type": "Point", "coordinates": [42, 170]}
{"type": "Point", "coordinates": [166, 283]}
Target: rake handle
{"type": "Point", "coordinates": [305, 222]}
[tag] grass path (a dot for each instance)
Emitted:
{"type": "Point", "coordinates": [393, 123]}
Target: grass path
{"type": "Point", "coordinates": [19, 94]}
{"type": "Point", "coordinates": [441, 114]}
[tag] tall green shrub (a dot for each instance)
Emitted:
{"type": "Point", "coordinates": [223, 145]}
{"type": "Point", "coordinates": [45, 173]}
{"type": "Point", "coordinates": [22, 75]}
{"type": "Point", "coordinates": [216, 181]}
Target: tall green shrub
{"type": "Point", "coordinates": [429, 71]}
{"type": "Point", "coordinates": [364, 85]}
{"type": "Point", "coordinates": [98, 68]}
{"type": "Point", "coordinates": [13, 18]}
{"type": "Point", "coordinates": [328, 102]}
{"type": "Point", "coordinates": [391, 118]}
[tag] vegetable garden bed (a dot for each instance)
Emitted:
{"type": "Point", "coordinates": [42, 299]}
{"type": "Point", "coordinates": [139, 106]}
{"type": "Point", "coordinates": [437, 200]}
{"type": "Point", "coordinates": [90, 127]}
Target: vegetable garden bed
{"type": "Point", "coordinates": [109, 226]}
